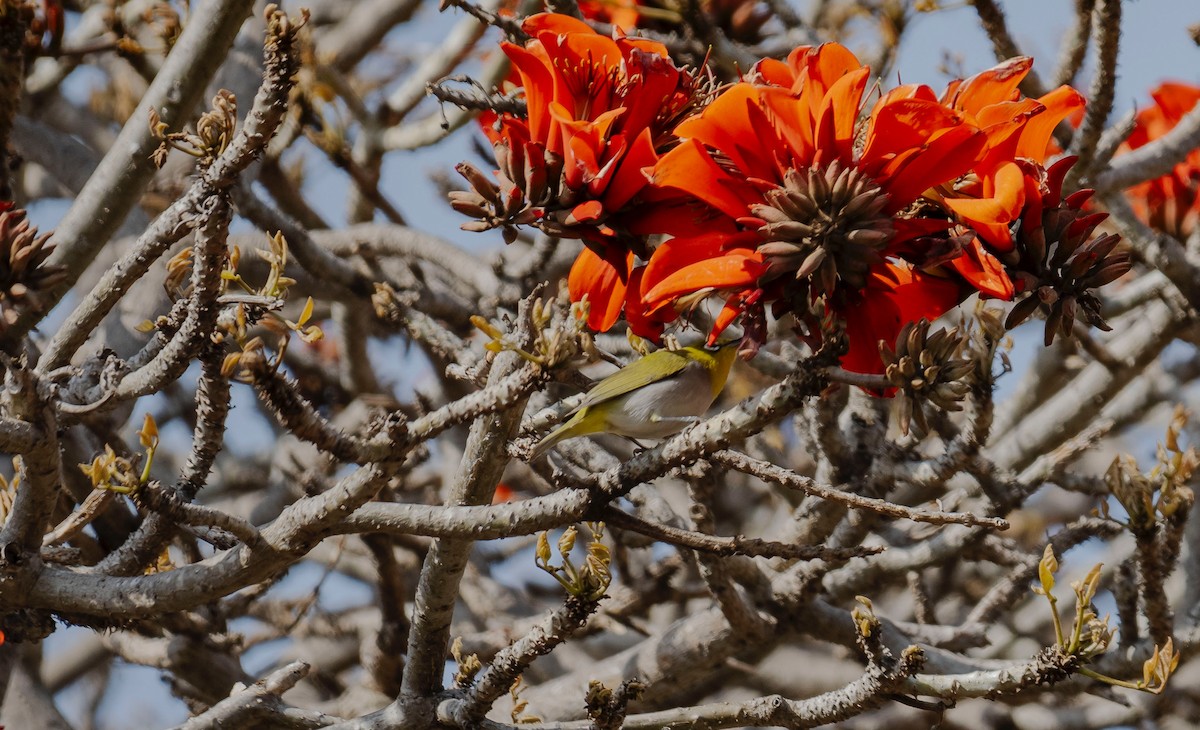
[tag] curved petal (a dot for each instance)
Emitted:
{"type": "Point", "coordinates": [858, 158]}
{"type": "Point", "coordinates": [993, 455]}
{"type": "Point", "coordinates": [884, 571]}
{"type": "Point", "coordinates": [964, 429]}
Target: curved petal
{"type": "Point", "coordinates": [637, 312]}
{"type": "Point", "coordinates": [1176, 99]}
{"type": "Point", "coordinates": [1004, 125]}
{"type": "Point", "coordinates": [992, 86]}
{"type": "Point", "coordinates": [984, 272]}
{"type": "Point", "coordinates": [944, 158]}
{"type": "Point", "coordinates": [603, 281]}
{"type": "Point", "coordinates": [734, 306]}
{"type": "Point", "coordinates": [678, 253]}
{"type": "Point", "coordinates": [726, 125]}
{"type": "Point", "coordinates": [628, 179]}
{"type": "Point", "coordinates": [903, 124]}
{"type": "Point", "coordinates": [691, 169]}
{"type": "Point", "coordinates": [1035, 136]}
{"type": "Point", "coordinates": [992, 215]}
{"type": "Point", "coordinates": [589, 211]}
{"type": "Point", "coordinates": [735, 269]}
{"type": "Point", "coordinates": [676, 214]}
{"type": "Point", "coordinates": [555, 23]}
{"type": "Point", "coordinates": [832, 61]}
{"type": "Point", "coordinates": [657, 79]}
{"type": "Point", "coordinates": [838, 115]}
{"type": "Point", "coordinates": [1007, 113]}
{"type": "Point", "coordinates": [797, 133]}
{"type": "Point", "coordinates": [908, 91]}
{"type": "Point", "coordinates": [645, 45]}
{"type": "Point", "coordinates": [533, 66]}
{"type": "Point", "coordinates": [774, 72]}
{"type": "Point", "coordinates": [826, 65]}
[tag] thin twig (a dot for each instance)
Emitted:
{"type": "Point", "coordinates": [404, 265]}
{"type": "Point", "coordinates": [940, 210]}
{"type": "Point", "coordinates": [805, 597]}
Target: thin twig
{"type": "Point", "coordinates": [991, 17]}
{"type": "Point", "coordinates": [260, 705]}
{"type": "Point", "coordinates": [788, 478]}
{"type": "Point", "coordinates": [1102, 92]}
{"type": "Point", "coordinates": [558, 626]}
{"type": "Point", "coordinates": [260, 124]}
{"type": "Point", "coordinates": [737, 545]}
{"type": "Point", "coordinates": [1074, 50]}
{"type": "Point", "coordinates": [124, 172]}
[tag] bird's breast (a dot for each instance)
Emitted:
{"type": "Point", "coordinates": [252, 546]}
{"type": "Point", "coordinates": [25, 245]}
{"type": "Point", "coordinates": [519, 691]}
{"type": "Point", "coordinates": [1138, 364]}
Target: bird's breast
{"type": "Point", "coordinates": [655, 410]}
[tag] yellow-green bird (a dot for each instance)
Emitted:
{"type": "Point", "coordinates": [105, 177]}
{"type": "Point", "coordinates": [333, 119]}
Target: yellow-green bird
{"type": "Point", "coordinates": [652, 397]}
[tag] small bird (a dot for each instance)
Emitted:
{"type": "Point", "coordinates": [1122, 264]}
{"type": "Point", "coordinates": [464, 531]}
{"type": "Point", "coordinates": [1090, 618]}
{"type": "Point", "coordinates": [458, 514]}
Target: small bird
{"type": "Point", "coordinates": [652, 397]}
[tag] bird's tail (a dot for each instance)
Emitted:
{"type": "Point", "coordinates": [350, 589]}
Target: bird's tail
{"type": "Point", "coordinates": [541, 447]}
{"type": "Point", "coordinates": [570, 428]}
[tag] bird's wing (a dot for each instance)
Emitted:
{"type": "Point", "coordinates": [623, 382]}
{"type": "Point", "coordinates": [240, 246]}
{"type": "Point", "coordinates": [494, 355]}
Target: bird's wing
{"type": "Point", "coordinates": [665, 364]}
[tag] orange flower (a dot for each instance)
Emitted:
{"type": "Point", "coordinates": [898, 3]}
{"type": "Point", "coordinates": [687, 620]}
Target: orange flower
{"type": "Point", "coordinates": [599, 110]}
{"type": "Point", "coordinates": [991, 198]}
{"type": "Point", "coordinates": [1015, 126]}
{"type": "Point", "coordinates": [801, 210]}
{"type": "Point", "coordinates": [1170, 203]}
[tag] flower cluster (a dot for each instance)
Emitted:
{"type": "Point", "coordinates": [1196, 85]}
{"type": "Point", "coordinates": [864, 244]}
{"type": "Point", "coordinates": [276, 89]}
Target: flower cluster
{"type": "Point", "coordinates": [793, 194]}
{"type": "Point", "coordinates": [600, 110]}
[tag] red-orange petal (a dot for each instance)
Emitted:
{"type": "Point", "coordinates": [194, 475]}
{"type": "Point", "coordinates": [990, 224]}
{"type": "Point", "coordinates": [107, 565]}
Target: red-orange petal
{"type": "Point", "coordinates": [947, 156]}
{"type": "Point", "coordinates": [629, 178]}
{"type": "Point", "coordinates": [995, 85]}
{"type": "Point", "coordinates": [725, 124]}
{"type": "Point", "coordinates": [637, 311]}
{"type": "Point", "coordinates": [734, 306]}
{"type": "Point", "coordinates": [907, 91]}
{"type": "Point", "coordinates": [678, 253]}
{"type": "Point", "coordinates": [602, 283]}
{"type": "Point", "coordinates": [690, 168]}
{"type": "Point", "coordinates": [828, 63]}
{"type": "Point", "coordinates": [1035, 136]}
{"type": "Point", "coordinates": [838, 115]}
{"type": "Point", "coordinates": [775, 72]}
{"type": "Point", "coordinates": [589, 211]}
{"type": "Point", "coordinates": [555, 23]}
{"type": "Point", "coordinates": [1175, 99]}
{"type": "Point", "coordinates": [903, 124]}
{"type": "Point", "coordinates": [797, 133]}
{"type": "Point", "coordinates": [735, 269]}
{"type": "Point", "coordinates": [657, 79]}
{"type": "Point", "coordinates": [533, 66]}
{"type": "Point", "coordinates": [984, 272]}
{"type": "Point", "coordinates": [676, 214]}
{"type": "Point", "coordinates": [991, 215]}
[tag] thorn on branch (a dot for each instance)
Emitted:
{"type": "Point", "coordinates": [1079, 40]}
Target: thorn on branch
{"type": "Point", "coordinates": [737, 545]}
{"type": "Point", "coordinates": [511, 28]}
{"type": "Point", "coordinates": [478, 99]}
